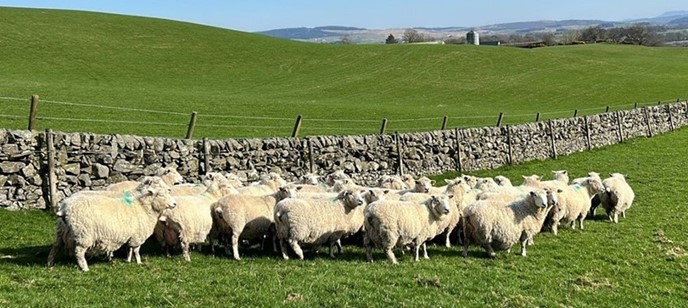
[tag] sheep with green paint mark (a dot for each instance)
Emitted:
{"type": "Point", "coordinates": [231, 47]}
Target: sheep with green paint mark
{"type": "Point", "coordinates": [103, 224]}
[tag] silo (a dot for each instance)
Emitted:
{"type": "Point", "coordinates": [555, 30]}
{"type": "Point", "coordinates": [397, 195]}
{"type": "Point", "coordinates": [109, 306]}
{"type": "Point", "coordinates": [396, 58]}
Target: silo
{"type": "Point", "coordinates": [472, 37]}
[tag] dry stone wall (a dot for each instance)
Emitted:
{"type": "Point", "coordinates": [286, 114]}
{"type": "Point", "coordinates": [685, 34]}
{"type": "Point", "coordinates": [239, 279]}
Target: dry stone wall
{"type": "Point", "coordinates": [92, 161]}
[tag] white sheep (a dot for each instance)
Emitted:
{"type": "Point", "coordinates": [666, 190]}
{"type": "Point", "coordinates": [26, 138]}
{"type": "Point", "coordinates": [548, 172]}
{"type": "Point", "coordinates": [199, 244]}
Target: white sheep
{"type": "Point", "coordinates": [191, 220]}
{"type": "Point", "coordinates": [409, 180]}
{"type": "Point", "coordinates": [503, 181]}
{"type": "Point", "coordinates": [317, 221]}
{"type": "Point", "coordinates": [102, 224]}
{"type": "Point", "coordinates": [617, 197]}
{"type": "Point", "coordinates": [168, 174]}
{"type": "Point", "coordinates": [337, 175]}
{"type": "Point", "coordinates": [496, 225]}
{"type": "Point", "coordinates": [309, 178]}
{"type": "Point", "coordinates": [392, 224]}
{"type": "Point", "coordinates": [392, 182]}
{"type": "Point", "coordinates": [574, 203]}
{"type": "Point", "coordinates": [268, 185]}
{"type": "Point", "coordinates": [247, 217]}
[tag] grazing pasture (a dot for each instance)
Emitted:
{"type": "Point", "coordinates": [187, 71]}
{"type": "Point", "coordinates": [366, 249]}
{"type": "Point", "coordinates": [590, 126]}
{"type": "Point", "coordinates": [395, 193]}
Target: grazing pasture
{"type": "Point", "coordinates": [249, 85]}
{"type": "Point", "coordinates": [641, 261]}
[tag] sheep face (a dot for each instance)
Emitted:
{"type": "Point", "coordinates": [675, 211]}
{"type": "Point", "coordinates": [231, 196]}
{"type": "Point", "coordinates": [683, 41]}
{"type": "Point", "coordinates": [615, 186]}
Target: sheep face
{"type": "Point", "coordinates": [502, 180]}
{"type": "Point", "coordinates": [423, 185]}
{"type": "Point", "coordinates": [352, 198]}
{"type": "Point", "coordinates": [594, 185]}
{"type": "Point", "coordinates": [159, 199]}
{"type": "Point", "coordinates": [439, 204]}
{"type": "Point", "coordinates": [560, 175]}
{"type": "Point", "coordinates": [470, 180]}
{"type": "Point", "coordinates": [531, 180]}
{"type": "Point", "coordinates": [171, 176]}
{"type": "Point", "coordinates": [311, 179]}
{"type": "Point", "coordinates": [338, 175]}
{"type": "Point", "coordinates": [373, 195]}
{"type": "Point", "coordinates": [542, 199]}
{"type": "Point", "coordinates": [287, 191]}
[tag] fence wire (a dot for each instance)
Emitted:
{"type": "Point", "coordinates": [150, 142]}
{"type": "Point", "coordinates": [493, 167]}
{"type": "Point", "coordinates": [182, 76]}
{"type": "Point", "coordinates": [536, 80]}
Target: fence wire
{"type": "Point", "coordinates": [320, 121]}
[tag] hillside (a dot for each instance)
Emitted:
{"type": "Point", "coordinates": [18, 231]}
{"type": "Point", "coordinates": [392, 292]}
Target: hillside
{"type": "Point", "coordinates": [245, 84]}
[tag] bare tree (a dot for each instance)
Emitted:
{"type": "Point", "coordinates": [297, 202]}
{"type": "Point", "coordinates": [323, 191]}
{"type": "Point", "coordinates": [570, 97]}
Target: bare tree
{"type": "Point", "coordinates": [593, 34]}
{"type": "Point", "coordinates": [412, 36]}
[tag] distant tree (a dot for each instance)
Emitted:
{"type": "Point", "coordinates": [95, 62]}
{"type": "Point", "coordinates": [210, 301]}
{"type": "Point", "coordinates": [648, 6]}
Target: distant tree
{"type": "Point", "coordinates": [593, 34]}
{"type": "Point", "coordinates": [412, 36]}
{"type": "Point", "coordinates": [642, 34]}
{"type": "Point", "coordinates": [391, 39]}
{"type": "Point", "coordinates": [455, 40]}
{"type": "Point", "coordinates": [549, 39]}
{"type": "Point", "coordinates": [347, 40]}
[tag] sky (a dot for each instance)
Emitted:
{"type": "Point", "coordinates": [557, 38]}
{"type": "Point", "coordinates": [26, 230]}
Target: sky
{"type": "Point", "coordinates": [261, 15]}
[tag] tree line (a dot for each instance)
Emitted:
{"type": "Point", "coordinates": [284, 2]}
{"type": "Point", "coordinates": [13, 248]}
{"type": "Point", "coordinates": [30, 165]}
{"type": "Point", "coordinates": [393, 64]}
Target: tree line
{"type": "Point", "coordinates": [637, 34]}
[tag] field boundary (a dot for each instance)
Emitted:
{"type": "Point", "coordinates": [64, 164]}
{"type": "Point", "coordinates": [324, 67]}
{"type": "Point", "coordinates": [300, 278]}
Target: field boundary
{"type": "Point", "coordinates": [39, 168]}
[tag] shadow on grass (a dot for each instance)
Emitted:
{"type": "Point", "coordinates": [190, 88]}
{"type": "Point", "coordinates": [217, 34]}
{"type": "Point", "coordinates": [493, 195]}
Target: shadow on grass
{"type": "Point", "coordinates": [25, 256]}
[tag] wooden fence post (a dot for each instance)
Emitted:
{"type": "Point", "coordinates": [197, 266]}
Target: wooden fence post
{"type": "Point", "coordinates": [206, 154]}
{"type": "Point", "coordinates": [647, 121]}
{"type": "Point", "coordinates": [458, 150]}
{"type": "Point", "coordinates": [509, 142]}
{"type": "Point", "coordinates": [619, 127]}
{"type": "Point", "coordinates": [606, 110]}
{"type": "Point", "coordinates": [635, 106]}
{"type": "Point", "coordinates": [383, 127]}
{"type": "Point", "coordinates": [499, 120]}
{"type": "Point", "coordinates": [444, 123]}
{"type": "Point", "coordinates": [297, 127]}
{"type": "Point", "coordinates": [671, 119]}
{"type": "Point", "coordinates": [310, 156]}
{"type": "Point", "coordinates": [33, 112]}
{"type": "Point", "coordinates": [400, 161]}
{"type": "Point", "coordinates": [587, 133]}
{"type": "Point", "coordinates": [551, 135]}
{"type": "Point", "coordinates": [575, 113]}
{"type": "Point", "coordinates": [192, 125]}
{"type": "Point", "coordinates": [52, 177]}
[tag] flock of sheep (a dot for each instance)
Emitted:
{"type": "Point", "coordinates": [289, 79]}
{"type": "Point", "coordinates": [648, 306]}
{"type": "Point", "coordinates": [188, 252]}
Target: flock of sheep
{"type": "Point", "coordinates": [402, 213]}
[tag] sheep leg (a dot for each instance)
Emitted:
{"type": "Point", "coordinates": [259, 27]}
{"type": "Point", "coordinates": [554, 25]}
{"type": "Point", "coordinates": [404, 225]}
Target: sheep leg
{"type": "Point", "coordinates": [332, 244]}
{"type": "Point", "coordinates": [283, 246]}
{"type": "Point", "coordinates": [447, 242]}
{"type": "Point", "coordinates": [616, 217]}
{"type": "Point", "coordinates": [340, 249]}
{"type": "Point", "coordinates": [572, 224]}
{"type": "Point", "coordinates": [390, 254]}
{"type": "Point", "coordinates": [416, 250]}
{"type": "Point", "coordinates": [57, 245]}
{"type": "Point", "coordinates": [623, 214]}
{"type": "Point", "coordinates": [465, 246]}
{"type": "Point", "coordinates": [80, 253]}
{"type": "Point", "coordinates": [490, 252]}
{"type": "Point", "coordinates": [185, 251]}
{"type": "Point", "coordinates": [523, 247]}
{"type": "Point", "coordinates": [136, 254]}
{"type": "Point", "coordinates": [425, 251]}
{"type": "Point", "coordinates": [129, 254]}
{"type": "Point", "coordinates": [580, 221]}
{"type": "Point", "coordinates": [235, 244]}
{"type": "Point", "coordinates": [369, 248]}
{"type": "Point", "coordinates": [297, 249]}
{"type": "Point", "coordinates": [555, 227]}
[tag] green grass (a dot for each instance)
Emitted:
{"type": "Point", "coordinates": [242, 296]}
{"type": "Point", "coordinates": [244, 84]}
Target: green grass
{"type": "Point", "coordinates": [143, 63]}
{"type": "Point", "coordinates": [640, 262]}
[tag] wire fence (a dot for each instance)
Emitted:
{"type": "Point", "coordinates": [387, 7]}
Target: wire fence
{"type": "Point", "coordinates": [314, 126]}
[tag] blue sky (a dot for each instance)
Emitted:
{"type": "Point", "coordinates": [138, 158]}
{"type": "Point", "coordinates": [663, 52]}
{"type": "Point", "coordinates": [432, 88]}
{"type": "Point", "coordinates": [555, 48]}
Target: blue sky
{"type": "Point", "coordinates": [259, 15]}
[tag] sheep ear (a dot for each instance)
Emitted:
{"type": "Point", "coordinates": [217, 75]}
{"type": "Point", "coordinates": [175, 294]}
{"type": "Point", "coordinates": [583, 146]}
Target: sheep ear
{"type": "Point", "coordinates": [386, 191]}
{"type": "Point", "coordinates": [524, 177]}
{"type": "Point", "coordinates": [533, 194]}
{"type": "Point", "coordinates": [449, 181]}
{"type": "Point", "coordinates": [433, 182]}
{"type": "Point", "coordinates": [560, 190]}
{"type": "Point", "coordinates": [566, 172]}
{"type": "Point", "coordinates": [150, 191]}
{"type": "Point", "coordinates": [450, 196]}
{"type": "Point", "coordinates": [299, 187]}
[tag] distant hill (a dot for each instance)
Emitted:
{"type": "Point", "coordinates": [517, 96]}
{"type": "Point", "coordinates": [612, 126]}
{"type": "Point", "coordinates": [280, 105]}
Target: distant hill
{"type": "Point", "coordinates": [304, 33]}
{"type": "Point", "coordinates": [333, 33]}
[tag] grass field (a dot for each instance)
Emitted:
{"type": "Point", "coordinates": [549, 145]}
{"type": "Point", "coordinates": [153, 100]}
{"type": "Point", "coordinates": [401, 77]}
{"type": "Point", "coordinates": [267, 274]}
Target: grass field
{"type": "Point", "coordinates": [640, 262]}
{"type": "Point", "coordinates": [246, 85]}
